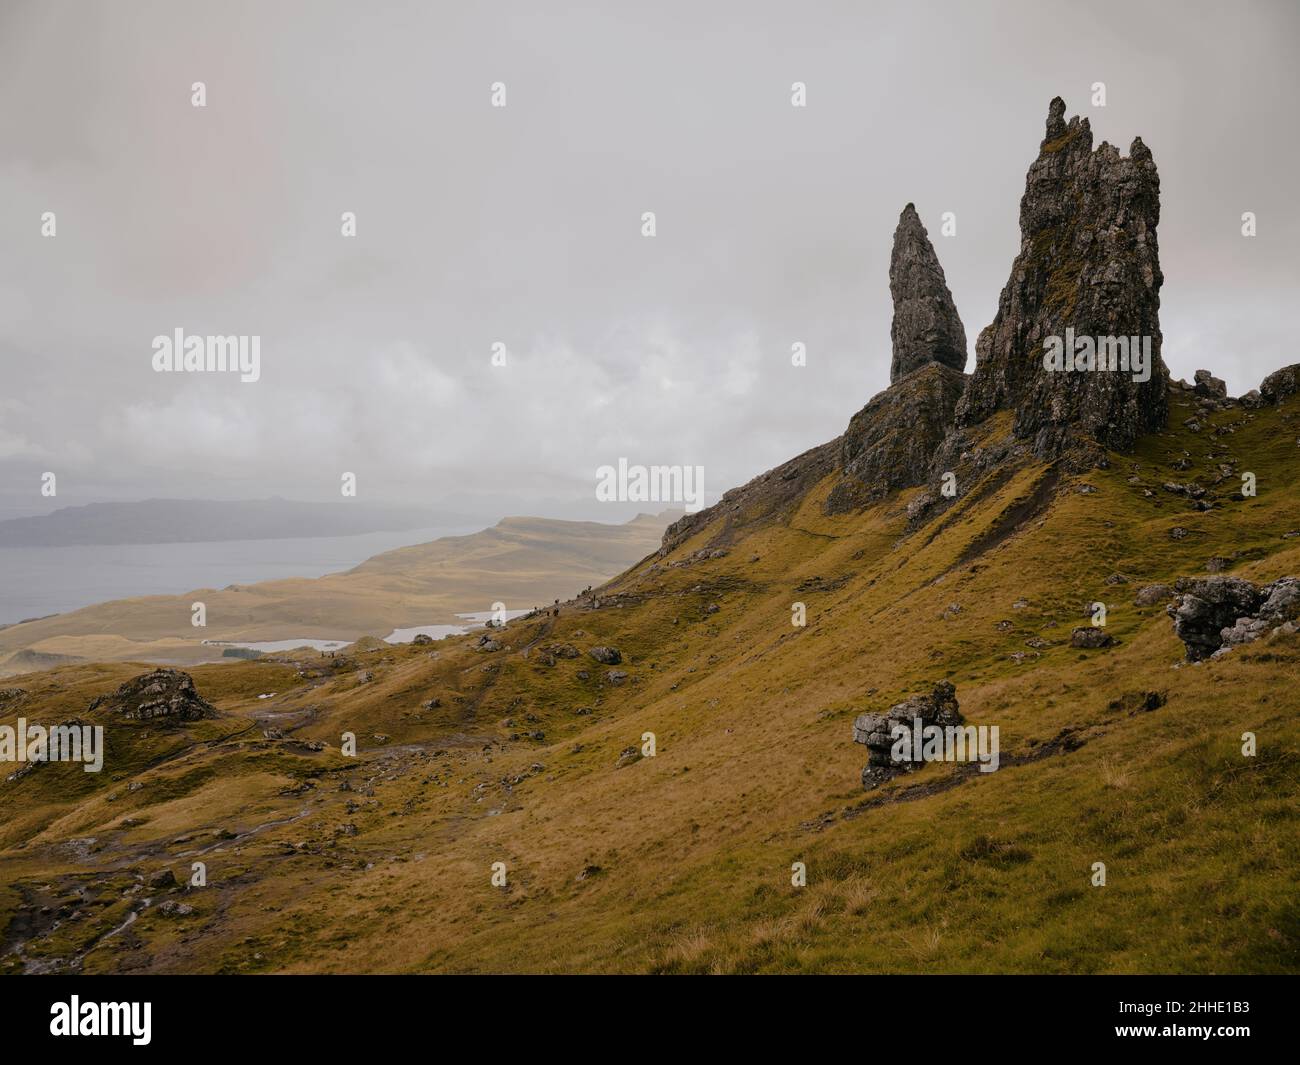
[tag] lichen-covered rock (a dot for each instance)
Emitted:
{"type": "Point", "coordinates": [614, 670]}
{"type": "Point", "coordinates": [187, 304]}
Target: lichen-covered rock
{"type": "Point", "coordinates": [164, 693]}
{"type": "Point", "coordinates": [1214, 613]}
{"type": "Point", "coordinates": [926, 327]}
{"type": "Point", "coordinates": [1209, 386]}
{"type": "Point", "coordinates": [1090, 637]}
{"type": "Point", "coordinates": [891, 442]}
{"type": "Point", "coordinates": [875, 731]}
{"type": "Point", "coordinates": [1088, 261]}
{"type": "Point", "coordinates": [1281, 601]}
{"type": "Point", "coordinates": [1281, 383]}
{"type": "Point", "coordinates": [609, 656]}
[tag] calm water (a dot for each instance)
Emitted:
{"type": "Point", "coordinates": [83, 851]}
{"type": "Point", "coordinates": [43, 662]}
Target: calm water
{"type": "Point", "coordinates": [437, 632]}
{"type": "Point", "coordinates": [35, 581]}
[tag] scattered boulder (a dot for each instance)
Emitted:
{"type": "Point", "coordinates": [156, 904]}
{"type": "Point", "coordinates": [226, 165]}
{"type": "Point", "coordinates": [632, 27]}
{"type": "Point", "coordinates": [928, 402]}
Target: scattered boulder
{"type": "Point", "coordinates": [163, 879]}
{"type": "Point", "coordinates": [1212, 614]}
{"type": "Point", "coordinates": [486, 643]}
{"type": "Point", "coordinates": [172, 908]}
{"type": "Point", "coordinates": [1281, 383]}
{"type": "Point", "coordinates": [875, 731]}
{"type": "Point", "coordinates": [608, 656]}
{"type": "Point", "coordinates": [1209, 386]}
{"type": "Point", "coordinates": [1091, 637]}
{"type": "Point", "coordinates": [164, 693]}
{"type": "Point", "coordinates": [422, 638]}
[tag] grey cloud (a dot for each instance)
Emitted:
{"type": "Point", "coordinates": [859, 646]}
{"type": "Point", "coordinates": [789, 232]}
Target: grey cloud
{"type": "Point", "coordinates": [521, 225]}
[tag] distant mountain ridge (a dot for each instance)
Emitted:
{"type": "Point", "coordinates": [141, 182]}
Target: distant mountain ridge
{"type": "Point", "coordinates": [162, 521]}
{"type": "Point", "coordinates": [521, 561]}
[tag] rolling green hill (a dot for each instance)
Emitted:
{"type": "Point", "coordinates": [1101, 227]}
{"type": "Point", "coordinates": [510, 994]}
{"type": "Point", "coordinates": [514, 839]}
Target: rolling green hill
{"type": "Point", "coordinates": [521, 562]}
{"type": "Point", "coordinates": [681, 862]}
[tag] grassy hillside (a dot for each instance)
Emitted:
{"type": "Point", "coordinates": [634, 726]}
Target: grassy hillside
{"type": "Point", "coordinates": [521, 562]}
{"type": "Point", "coordinates": [681, 862]}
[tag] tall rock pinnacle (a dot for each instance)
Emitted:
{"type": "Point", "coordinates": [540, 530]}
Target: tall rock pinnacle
{"type": "Point", "coordinates": [926, 327]}
{"type": "Point", "coordinates": [1088, 275]}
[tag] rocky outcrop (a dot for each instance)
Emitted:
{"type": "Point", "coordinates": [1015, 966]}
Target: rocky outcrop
{"type": "Point", "coordinates": [891, 442]}
{"type": "Point", "coordinates": [1208, 386]}
{"type": "Point", "coordinates": [1281, 383]}
{"type": "Point", "coordinates": [1088, 263]}
{"type": "Point", "coordinates": [768, 497]}
{"type": "Point", "coordinates": [875, 731]}
{"type": "Point", "coordinates": [1090, 637]}
{"type": "Point", "coordinates": [1213, 614]}
{"type": "Point", "coordinates": [926, 327]}
{"type": "Point", "coordinates": [163, 694]}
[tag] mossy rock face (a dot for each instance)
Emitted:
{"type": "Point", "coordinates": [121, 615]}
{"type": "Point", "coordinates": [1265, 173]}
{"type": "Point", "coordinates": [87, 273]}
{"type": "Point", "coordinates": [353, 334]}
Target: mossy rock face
{"type": "Point", "coordinates": [892, 441]}
{"type": "Point", "coordinates": [926, 327]}
{"type": "Point", "coordinates": [162, 695]}
{"type": "Point", "coordinates": [1089, 263]}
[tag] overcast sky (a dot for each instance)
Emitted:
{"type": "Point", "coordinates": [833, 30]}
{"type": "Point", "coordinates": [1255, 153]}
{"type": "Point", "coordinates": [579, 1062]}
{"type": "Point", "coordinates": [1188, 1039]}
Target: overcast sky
{"type": "Point", "coordinates": [523, 225]}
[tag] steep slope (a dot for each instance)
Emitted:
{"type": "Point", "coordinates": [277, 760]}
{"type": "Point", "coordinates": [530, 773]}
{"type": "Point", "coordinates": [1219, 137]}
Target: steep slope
{"type": "Point", "coordinates": [682, 862]}
{"type": "Point", "coordinates": [650, 764]}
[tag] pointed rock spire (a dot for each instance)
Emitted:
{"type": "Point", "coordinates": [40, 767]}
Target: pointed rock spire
{"type": "Point", "coordinates": [1089, 264]}
{"type": "Point", "coordinates": [926, 327]}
